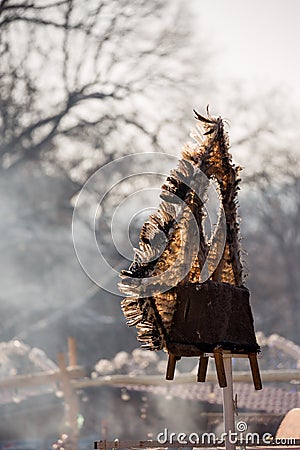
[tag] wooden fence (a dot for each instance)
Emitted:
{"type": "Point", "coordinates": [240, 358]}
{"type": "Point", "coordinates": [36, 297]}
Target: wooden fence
{"type": "Point", "coordinates": [72, 377]}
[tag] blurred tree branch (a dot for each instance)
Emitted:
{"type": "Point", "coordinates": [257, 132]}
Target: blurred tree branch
{"type": "Point", "coordinates": [22, 11]}
{"type": "Point", "coordinates": [88, 73]}
{"type": "Point", "coordinates": [273, 240]}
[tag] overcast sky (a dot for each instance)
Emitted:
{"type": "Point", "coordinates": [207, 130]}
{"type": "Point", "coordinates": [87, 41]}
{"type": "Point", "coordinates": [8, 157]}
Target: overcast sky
{"type": "Point", "coordinates": [257, 40]}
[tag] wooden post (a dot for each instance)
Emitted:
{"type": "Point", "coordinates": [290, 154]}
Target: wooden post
{"type": "Point", "coordinates": [228, 407]}
{"type": "Point", "coordinates": [72, 351]}
{"type": "Point", "coordinates": [71, 401]}
{"type": "Point", "coordinates": [218, 355]}
{"type": "Point", "coordinates": [202, 370]}
{"type": "Point", "coordinates": [171, 366]}
{"type": "Point", "coordinates": [255, 371]}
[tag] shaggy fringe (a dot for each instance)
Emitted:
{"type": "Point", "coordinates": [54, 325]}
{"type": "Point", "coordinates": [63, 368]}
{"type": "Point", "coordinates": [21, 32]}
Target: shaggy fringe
{"type": "Point", "coordinates": [208, 154]}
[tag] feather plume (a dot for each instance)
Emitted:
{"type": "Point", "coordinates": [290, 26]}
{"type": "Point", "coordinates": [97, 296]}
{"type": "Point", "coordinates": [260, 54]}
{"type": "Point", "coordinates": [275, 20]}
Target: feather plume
{"type": "Point", "coordinates": [183, 204]}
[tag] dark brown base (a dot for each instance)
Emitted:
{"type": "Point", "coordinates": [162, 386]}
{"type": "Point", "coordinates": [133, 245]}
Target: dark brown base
{"type": "Point", "coordinates": [212, 318]}
{"type": "Point", "coordinates": [212, 315]}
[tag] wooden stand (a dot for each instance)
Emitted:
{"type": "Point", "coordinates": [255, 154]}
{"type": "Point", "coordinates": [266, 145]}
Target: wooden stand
{"type": "Point", "coordinates": [219, 356]}
{"type": "Point", "coordinates": [223, 362]}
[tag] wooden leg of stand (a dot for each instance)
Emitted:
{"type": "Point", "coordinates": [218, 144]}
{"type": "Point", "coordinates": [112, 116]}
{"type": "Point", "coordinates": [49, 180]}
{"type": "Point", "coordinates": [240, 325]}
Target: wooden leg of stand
{"type": "Point", "coordinates": [255, 371]}
{"type": "Point", "coordinates": [202, 369]}
{"type": "Point", "coordinates": [220, 368]}
{"type": "Point", "coordinates": [171, 366]}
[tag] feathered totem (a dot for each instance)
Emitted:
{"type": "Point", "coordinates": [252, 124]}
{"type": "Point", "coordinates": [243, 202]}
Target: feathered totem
{"type": "Point", "coordinates": [185, 292]}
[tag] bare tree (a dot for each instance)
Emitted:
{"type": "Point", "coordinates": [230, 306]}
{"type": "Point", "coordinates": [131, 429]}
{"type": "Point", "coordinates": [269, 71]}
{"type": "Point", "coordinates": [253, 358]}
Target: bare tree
{"type": "Point", "coordinates": [273, 243]}
{"type": "Point", "coordinates": [78, 75]}
{"type": "Point", "coordinates": [80, 83]}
